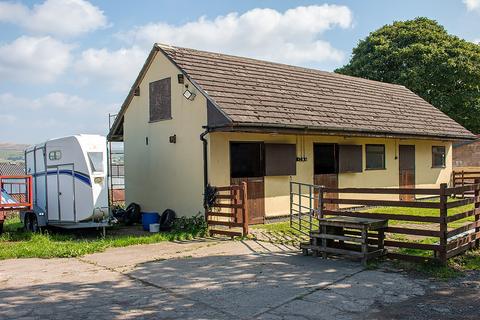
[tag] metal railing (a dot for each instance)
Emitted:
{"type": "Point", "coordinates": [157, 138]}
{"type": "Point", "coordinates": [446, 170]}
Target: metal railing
{"type": "Point", "coordinates": [305, 204]}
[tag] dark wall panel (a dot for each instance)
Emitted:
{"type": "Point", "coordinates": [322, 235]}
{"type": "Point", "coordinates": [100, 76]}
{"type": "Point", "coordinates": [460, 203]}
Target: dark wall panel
{"type": "Point", "coordinates": [160, 96]}
{"type": "Point", "coordinates": [280, 159]}
{"type": "Point", "coordinates": [350, 158]}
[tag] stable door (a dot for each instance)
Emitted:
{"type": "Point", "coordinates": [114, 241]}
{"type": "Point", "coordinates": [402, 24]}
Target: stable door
{"type": "Point", "coordinates": [406, 161]}
{"type": "Point", "coordinates": [325, 162]}
{"type": "Point", "coordinates": [247, 164]}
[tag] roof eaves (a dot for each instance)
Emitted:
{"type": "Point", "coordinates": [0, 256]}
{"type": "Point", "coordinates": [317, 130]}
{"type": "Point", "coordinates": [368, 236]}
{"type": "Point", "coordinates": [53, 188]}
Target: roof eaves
{"type": "Point", "coordinates": [340, 131]}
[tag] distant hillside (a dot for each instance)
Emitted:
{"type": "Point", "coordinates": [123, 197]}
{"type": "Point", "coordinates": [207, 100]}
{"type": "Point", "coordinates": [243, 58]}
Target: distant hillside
{"type": "Point", "coordinates": [11, 151]}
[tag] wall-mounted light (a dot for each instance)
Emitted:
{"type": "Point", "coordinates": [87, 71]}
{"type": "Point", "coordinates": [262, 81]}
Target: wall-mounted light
{"type": "Point", "coordinates": [173, 139]}
{"type": "Point", "coordinates": [189, 95]}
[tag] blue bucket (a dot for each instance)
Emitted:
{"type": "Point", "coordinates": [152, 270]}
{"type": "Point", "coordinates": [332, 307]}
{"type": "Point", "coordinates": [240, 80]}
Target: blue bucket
{"type": "Point", "coordinates": [149, 218]}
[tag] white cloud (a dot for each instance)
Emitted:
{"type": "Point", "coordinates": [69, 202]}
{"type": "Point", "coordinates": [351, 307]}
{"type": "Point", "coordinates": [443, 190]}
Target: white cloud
{"type": "Point", "coordinates": [472, 5]}
{"type": "Point", "coordinates": [7, 118]}
{"type": "Point", "coordinates": [52, 115]}
{"type": "Point", "coordinates": [291, 36]}
{"type": "Point", "coordinates": [33, 59]}
{"type": "Point", "coordinates": [58, 17]}
{"type": "Point", "coordinates": [49, 102]}
{"type": "Point", "coordinates": [116, 68]}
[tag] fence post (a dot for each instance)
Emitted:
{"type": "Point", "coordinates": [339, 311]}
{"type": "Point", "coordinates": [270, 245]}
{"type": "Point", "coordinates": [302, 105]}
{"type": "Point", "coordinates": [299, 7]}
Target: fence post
{"type": "Point", "coordinates": [299, 204]}
{"type": "Point", "coordinates": [443, 223]}
{"type": "Point", "coordinates": [30, 191]}
{"type": "Point", "coordinates": [244, 208]}
{"type": "Point", "coordinates": [320, 202]}
{"type": "Point", "coordinates": [291, 203]}
{"type": "Point", "coordinates": [311, 197]}
{"type": "Point", "coordinates": [477, 207]}
{"type": "Point", "coordinates": [463, 183]}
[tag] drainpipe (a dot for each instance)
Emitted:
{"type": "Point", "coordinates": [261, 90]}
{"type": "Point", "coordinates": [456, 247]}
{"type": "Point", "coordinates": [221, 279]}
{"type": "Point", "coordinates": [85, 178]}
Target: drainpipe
{"type": "Point", "coordinates": [205, 157]}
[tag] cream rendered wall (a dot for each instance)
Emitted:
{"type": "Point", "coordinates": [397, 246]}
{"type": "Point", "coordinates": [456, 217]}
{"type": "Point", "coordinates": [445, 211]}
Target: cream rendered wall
{"type": "Point", "coordinates": [277, 188]}
{"type": "Point", "coordinates": [164, 175]}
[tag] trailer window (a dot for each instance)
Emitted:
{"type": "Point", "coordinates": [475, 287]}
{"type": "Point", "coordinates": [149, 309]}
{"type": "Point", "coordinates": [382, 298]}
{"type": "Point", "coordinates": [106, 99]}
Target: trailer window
{"type": "Point", "coordinates": [55, 155]}
{"type": "Point", "coordinates": [96, 161]}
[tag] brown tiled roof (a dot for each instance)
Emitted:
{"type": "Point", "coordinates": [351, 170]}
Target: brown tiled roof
{"type": "Point", "coordinates": [254, 92]}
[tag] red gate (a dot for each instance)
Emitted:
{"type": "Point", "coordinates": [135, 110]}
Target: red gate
{"type": "Point", "coordinates": [15, 194]}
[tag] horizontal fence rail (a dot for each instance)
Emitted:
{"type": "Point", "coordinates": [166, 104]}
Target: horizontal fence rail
{"type": "Point", "coordinates": [465, 179]}
{"type": "Point", "coordinates": [412, 236]}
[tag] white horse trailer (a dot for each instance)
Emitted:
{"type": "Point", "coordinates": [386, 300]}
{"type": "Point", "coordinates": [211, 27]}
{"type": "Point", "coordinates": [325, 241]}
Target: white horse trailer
{"type": "Point", "coordinates": [69, 183]}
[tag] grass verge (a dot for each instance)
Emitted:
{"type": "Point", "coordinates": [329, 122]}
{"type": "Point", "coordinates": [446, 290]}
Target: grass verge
{"type": "Point", "coordinates": [15, 243]}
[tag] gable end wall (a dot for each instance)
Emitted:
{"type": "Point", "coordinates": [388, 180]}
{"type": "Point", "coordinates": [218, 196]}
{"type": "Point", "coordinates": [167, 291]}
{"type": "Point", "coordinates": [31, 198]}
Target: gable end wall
{"type": "Point", "coordinates": [164, 175]}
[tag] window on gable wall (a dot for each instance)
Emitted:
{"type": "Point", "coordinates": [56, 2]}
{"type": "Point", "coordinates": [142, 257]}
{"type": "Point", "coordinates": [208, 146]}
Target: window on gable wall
{"type": "Point", "coordinates": [160, 97]}
{"type": "Point", "coordinates": [375, 156]}
{"type": "Point", "coordinates": [438, 156]}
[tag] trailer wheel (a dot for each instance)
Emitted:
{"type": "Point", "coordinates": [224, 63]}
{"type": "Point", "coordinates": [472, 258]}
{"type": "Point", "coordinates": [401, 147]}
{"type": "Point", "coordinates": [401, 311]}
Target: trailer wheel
{"type": "Point", "coordinates": [31, 222]}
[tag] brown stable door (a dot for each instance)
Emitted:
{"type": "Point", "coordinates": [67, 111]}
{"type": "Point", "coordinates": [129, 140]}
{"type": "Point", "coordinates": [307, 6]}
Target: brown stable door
{"type": "Point", "coordinates": [247, 164]}
{"type": "Point", "coordinates": [325, 161]}
{"type": "Point", "coordinates": [406, 161]}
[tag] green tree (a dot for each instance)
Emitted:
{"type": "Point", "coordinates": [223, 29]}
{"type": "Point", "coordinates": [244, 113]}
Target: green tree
{"type": "Point", "coordinates": [420, 54]}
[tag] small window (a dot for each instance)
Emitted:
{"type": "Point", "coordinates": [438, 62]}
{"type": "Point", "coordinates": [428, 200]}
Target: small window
{"type": "Point", "coordinates": [55, 155]}
{"type": "Point", "coordinates": [160, 100]}
{"type": "Point", "coordinates": [438, 157]}
{"type": "Point", "coordinates": [96, 161]}
{"type": "Point", "coordinates": [375, 154]}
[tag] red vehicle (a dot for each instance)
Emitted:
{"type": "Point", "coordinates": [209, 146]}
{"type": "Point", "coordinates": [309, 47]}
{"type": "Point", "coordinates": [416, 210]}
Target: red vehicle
{"type": "Point", "coordinates": [15, 195]}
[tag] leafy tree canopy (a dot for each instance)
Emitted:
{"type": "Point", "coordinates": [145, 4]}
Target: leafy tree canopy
{"type": "Point", "coordinates": [420, 54]}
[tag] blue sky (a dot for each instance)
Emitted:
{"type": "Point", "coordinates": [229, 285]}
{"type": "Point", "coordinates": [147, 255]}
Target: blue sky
{"type": "Point", "coordinates": [66, 64]}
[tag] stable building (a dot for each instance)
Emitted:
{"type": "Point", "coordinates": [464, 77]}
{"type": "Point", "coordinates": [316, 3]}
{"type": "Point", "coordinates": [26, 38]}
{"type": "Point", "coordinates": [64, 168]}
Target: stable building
{"type": "Point", "coordinates": [194, 118]}
{"type": "Point", "coordinates": [466, 155]}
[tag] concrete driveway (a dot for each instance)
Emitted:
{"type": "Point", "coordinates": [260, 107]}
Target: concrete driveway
{"type": "Point", "coordinates": [199, 280]}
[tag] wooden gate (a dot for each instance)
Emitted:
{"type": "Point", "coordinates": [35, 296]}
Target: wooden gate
{"type": "Point", "coordinates": [255, 199]}
{"type": "Point", "coordinates": [227, 215]}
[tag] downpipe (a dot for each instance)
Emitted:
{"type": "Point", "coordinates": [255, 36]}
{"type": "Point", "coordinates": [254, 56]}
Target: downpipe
{"type": "Point", "coordinates": [205, 161]}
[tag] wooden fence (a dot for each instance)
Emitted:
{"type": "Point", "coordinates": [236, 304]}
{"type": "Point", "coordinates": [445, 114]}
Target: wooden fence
{"type": "Point", "coordinates": [464, 178]}
{"type": "Point", "coordinates": [228, 215]}
{"type": "Point", "coordinates": [449, 241]}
